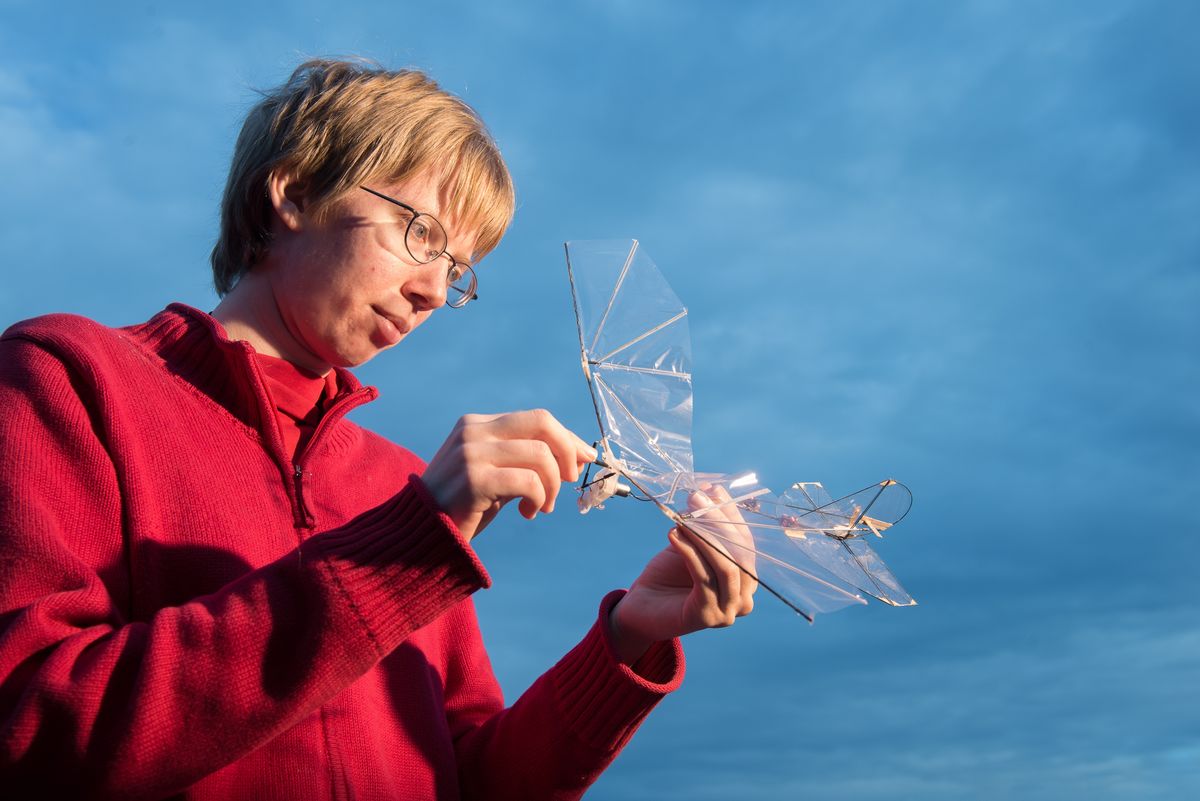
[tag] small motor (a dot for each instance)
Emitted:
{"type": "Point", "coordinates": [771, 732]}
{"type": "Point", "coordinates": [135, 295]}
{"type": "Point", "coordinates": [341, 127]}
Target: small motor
{"type": "Point", "coordinates": [593, 492]}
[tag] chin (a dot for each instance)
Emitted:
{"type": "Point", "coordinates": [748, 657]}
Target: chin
{"type": "Point", "coordinates": [359, 359]}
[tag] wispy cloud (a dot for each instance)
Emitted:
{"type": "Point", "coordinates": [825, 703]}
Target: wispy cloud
{"type": "Point", "coordinates": [951, 244]}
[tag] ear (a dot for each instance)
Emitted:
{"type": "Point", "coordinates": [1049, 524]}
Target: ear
{"type": "Point", "coordinates": [288, 197]}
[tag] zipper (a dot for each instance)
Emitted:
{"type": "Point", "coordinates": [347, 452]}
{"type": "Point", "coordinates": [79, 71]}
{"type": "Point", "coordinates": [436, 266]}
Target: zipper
{"type": "Point", "coordinates": [303, 515]}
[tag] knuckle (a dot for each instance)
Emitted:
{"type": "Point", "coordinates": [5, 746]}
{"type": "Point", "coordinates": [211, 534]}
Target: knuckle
{"type": "Point", "coordinates": [534, 487]}
{"type": "Point", "coordinates": [541, 450]}
{"type": "Point", "coordinates": [472, 474]}
{"type": "Point", "coordinates": [726, 570]}
{"type": "Point", "coordinates": [470, 453]}
{"type": "Point", "coordinates": [543, 419]}
{"type": "Point", "coordinates": [468, 430]}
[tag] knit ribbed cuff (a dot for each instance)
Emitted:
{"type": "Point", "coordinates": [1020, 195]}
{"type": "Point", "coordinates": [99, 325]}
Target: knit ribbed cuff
{"type": "Point", "coordinates": [603, 700]}
{"type": "Point", "coordinates": [400, 565]}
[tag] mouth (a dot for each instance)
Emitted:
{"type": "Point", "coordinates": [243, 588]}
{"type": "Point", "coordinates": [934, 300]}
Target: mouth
{"type": "Point", "coordinates": [391, 329]}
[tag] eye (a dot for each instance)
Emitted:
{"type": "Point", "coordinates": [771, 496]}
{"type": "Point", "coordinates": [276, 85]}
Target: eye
{"type": "Point", "coordinates": [419, 230]}
{"type": "Point", "coordinates": [456, 272]}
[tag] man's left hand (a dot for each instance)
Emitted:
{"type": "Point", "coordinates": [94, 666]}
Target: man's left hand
{"type": "Point", "coordinates": [691, 584]}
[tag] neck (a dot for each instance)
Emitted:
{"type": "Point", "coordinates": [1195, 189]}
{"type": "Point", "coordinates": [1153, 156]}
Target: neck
{"type": "Point", "coordinates": [249, 312]}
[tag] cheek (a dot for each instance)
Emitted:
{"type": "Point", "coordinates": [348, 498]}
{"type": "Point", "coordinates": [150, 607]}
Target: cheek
{"type": "Point", "coordinates": [354, 281]}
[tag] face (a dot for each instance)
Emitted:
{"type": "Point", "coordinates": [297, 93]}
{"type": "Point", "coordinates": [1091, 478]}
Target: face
{"type": "Point", "coordinates": [345, 286]}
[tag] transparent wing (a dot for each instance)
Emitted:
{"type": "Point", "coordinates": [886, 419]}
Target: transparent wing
{"type": "Point", "coordinates": [871, 510]}
{"type": "Point", "coordinates": [834, 532]}
{"type": "Point", "coordinates": [746, 528]}
{"type": "Point", "coordinates": [636, 353]}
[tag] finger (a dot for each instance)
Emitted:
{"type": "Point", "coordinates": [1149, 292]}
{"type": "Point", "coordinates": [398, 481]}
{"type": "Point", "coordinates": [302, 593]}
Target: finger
{"type": "Point", "coordinates": [528, 454]}
{"type": "Point", "coordinates": [571, 453]}
{"type": "Point", "coordinates": [724, 575]}
{"type": "Point", "coordinates": [710, 519]}
{"type": "Point", "coordinates": [722, 503]}
{"type": "Point", "coordinates": [696, 566]}
{"type": "Point", "coordinates": [712, 503]}
{"type": "Point", "coordinates": [728, 539]}
{"type": "Point", "coordinates": [722, 500]}
{"type": "Point", "coordinates": [737, 544]}
{"type": "Point", "coordinates": [736, 536]}
{"type": "Point", "coordinates": [716, 610]}
{"type": "Point", "coordinates": [698, 501]}
{"type": "Point", "coordinates": [749, 586]}
{"type": "Point", "coordinates": [569, 450]}
{"type": "Point", "coordinates": [508, 483]}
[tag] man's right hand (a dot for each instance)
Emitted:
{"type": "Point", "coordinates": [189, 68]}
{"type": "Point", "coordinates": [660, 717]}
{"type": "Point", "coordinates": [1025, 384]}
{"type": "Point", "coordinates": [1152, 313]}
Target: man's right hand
{"type": "Point", "coordinates": [489, 459]}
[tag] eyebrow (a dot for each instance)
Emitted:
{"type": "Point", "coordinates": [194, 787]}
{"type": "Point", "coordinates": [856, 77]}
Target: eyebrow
{"type": "Point", "coordinates": [408, 208]}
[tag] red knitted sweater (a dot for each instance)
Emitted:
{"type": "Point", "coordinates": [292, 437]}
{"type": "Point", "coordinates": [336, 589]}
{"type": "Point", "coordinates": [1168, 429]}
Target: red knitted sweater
{"type": "Point", "coordinates": [186, 612]}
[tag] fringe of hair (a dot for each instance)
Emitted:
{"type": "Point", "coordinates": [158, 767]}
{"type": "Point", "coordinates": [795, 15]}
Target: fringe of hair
{"type": "Point", "coordinates": [337, 125]}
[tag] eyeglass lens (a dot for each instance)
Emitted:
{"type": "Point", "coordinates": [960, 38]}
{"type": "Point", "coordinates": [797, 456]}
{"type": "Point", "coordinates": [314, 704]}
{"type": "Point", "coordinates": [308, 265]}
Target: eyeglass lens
{"type": "Point", "coordinates": [461, 285]}
{"type": "Point", "coordinates": [425, 238]}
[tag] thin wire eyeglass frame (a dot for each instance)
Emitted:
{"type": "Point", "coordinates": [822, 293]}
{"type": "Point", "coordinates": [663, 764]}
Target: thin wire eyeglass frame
{"type": "Point", "coordinates": [465, 294]}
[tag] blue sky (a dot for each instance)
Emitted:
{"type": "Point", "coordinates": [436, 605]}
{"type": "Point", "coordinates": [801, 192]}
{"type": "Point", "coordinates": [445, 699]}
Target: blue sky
{"type": "Point", "coordinates": [952, 243]}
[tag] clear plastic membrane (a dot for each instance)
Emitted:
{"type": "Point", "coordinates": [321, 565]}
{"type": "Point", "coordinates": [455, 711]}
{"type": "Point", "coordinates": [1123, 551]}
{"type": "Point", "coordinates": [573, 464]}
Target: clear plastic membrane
{"type": "Point", "coordinates": [805, 547]}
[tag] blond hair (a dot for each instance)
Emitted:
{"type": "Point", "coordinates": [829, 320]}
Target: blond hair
{"type": "Point", "coordinates": [338, 125]}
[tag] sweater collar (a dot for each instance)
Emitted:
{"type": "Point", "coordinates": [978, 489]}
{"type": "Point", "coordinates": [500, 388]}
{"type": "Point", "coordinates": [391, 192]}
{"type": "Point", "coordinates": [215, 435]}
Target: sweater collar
{"type": "Point", "coordinates": [195, 347]}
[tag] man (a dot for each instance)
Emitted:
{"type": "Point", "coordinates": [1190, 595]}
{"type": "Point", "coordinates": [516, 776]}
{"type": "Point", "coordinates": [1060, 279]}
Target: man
{"type": "Point", "coordinates": [212, 585]}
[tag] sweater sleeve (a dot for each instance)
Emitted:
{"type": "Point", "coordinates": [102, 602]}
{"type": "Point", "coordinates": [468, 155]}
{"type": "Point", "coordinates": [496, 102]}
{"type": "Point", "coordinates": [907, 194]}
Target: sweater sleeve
{"type": "Point", "coordinates": [570, 724]}
{"type": "Point", "coordinates": [95, 705]}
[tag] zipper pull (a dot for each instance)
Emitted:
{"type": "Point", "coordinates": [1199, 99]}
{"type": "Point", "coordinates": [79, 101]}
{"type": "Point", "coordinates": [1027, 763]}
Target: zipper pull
{"type": "Point", "coordinates": [303, 517]}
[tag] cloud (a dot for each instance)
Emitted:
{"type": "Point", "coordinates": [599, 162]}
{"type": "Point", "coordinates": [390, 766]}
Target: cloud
{"type": "Point", "coordinates": [1034, 715]}
{"type": "Point", "coordinates": [951, 245]}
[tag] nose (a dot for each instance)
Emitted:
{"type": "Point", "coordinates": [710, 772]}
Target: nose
{"type": "Point", "coordinates": [425, 287]}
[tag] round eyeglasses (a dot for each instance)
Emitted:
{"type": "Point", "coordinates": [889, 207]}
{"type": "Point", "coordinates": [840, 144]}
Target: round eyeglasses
{"type": "Point", "coordinates": [425, 240]}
